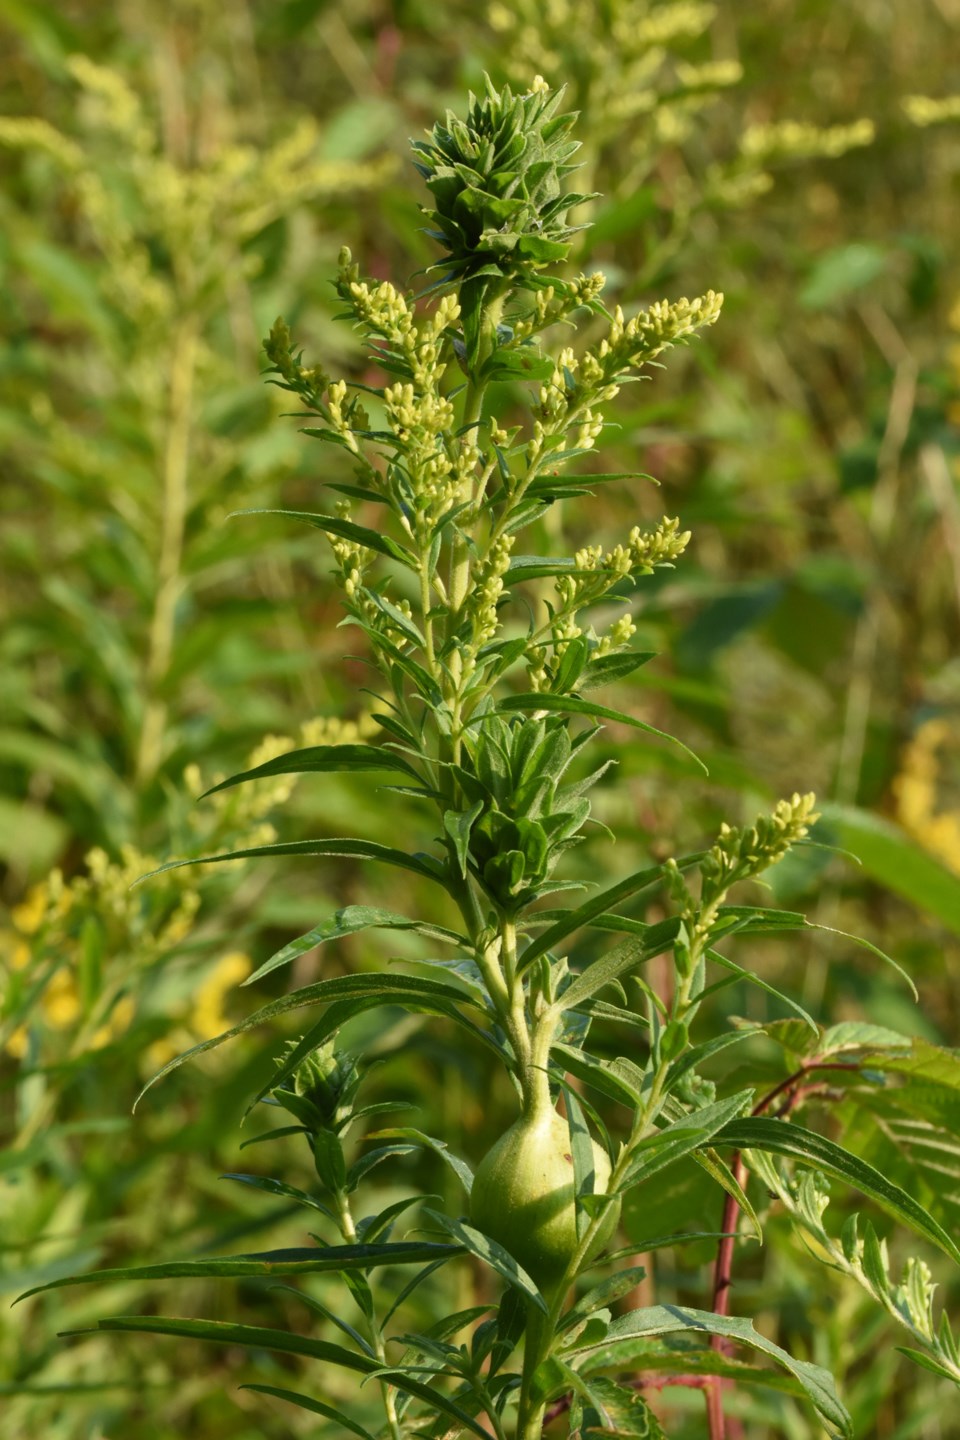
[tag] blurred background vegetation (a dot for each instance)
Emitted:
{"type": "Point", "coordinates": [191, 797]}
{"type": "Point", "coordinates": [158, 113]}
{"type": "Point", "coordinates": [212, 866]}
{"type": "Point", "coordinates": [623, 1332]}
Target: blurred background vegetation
{"type": "Point", "coordinates": [175, 174]}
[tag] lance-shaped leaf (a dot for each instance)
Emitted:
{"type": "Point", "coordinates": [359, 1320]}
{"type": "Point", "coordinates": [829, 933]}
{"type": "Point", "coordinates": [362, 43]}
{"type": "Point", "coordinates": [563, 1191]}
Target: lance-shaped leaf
{"type": "Point", "coordinates": [740, 973]}
{"type": "Point", "coordinates": [410, 991]}
{"type": "Point", "coordinates": [347, 922]}
{"type": "Point", "coordinates": [221, 1332]}
{"type": "Point", "coordinates": [817, 1383]}
{"type": "Point", "coordinates": [784, 1138]}
{"type": "Point", "coordinates": [316, 1407]}
{"type": "Point", "coordinates": [334, 1259]}
{"type": "Point", "coordinates": [490, 1253]}
{"type": "Point", "coordinates": [342, 846]}
{"type": "Point", "coordinates": [681, 1137]}
{"type": "Point", "coordinates": [571, 920]}
{"type": "Point", "coordinates": [574, 705]}
{"type": "Point", "coordinates": [619, 961]}
{"type": "Point", "coordinates": [320, 759]}
{"type": "Point", "coordinates": [345, 530]}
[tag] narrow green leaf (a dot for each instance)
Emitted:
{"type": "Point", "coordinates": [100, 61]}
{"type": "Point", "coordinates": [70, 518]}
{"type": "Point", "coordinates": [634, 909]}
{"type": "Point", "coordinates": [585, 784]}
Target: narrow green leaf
{"type": "Point", "coordinates": [726, 964]}
{"type": "Point", "coordinates": [348, 848]}
{"type": "Point", "coordinates": [696, 1054]}
{"type": "Point", "coordinates": [581, 1148]}
{"type": "Point", "coordinates": [623, 958]}
{"type": "Point", "coordinates": [608, 1291]}
{"type": "Point", "coordinates": [221, 1332]}
{"type": "Point", "coordinates": [610, 668]}
{"type": "Point", "coordinates": [458, 824]}
{"type": "Point", "coordinates": [919, 1357]}
{"type": "Point", "coordinates": [335, 1259]}
{"type": "Point", "coordinates": [278, 1187]}
{"type": "Point", "coordinates": [347, 922]}
{"type": "Point", "coordinates": [598, 1074]}
{"type": "Point", "coordinates": [345, 530]}
{"type": "Point", "coordinates": [360, 1168]}
{"type": "Point", "coordinates": [490, 1253]}
{"type": "Point", "coordinates": [317, 759]}
{"type": "Point", "coordinates": [572, 920]}
{"type": "Point", "coordinates": [574, 705]}
{"type": "Point", "coordinates": [681, 1137]}
{"type": "Point", "coordinates": [784, 1138]}
{"type": "Point", "coordinates": [412, 992]}
{"type": "Point", "coordinates": [817, 1383]}
{"type": "Point", "coordinates": [874, 950]}
{"type": "Point", "coordinates": [459, 1167]}
{"type": "Point", "coordinates": [710, 1161]}
{"type": "Point", "coordinates": [316, 1407]}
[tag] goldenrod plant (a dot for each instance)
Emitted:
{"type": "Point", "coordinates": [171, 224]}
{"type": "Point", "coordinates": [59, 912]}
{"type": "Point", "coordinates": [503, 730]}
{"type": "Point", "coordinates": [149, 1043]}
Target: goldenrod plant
{"type": "Point", "coordinates": [477, 413]}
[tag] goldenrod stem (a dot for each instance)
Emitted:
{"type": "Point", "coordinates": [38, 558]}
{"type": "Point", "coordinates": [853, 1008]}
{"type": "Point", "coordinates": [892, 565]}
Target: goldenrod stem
{"type": "Point", "coordinates": [174, 495]}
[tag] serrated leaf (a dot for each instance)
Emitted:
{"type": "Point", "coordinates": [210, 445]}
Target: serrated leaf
{"type": "Point", "coordinates": [622, 1412]}
{"type": "Point", "coordinates": [817, 1383]}
{"type": "Point", "coordinates": [785, 1138]}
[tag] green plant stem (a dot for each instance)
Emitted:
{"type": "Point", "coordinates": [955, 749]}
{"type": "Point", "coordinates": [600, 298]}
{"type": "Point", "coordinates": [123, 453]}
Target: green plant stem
{"type": "Point", "coordinates": [375, 1335]}
{"type": "Point", "coordinates": [175, 474]}
{"type": "Point", "coordinates": [538, 1339]}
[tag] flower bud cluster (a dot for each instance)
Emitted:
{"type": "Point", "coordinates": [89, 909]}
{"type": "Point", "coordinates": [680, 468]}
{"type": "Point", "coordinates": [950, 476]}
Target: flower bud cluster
{"type": "Point", "coordinates": [352, 558]}
{"type": "Point", "coordinates": [598, 572]}
{"type": "Point", "coordinates": [641, 338]}
{"type": "Point", "coordinates": [792, 139]}
{"type": "Point", "coordinates": [555, 302]}
{"type": "Point", "coordinates": [740, 853]}
{"type": "Point", "coordinates": [482, 604]}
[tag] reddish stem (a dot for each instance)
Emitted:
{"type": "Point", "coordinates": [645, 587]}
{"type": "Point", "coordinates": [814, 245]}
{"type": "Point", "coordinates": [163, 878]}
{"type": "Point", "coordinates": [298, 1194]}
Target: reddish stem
{"type": "Point", "coordinates": [794, 1091]}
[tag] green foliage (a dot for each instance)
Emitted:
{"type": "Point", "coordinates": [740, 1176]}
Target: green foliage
{"type": "Point", "coordinates": [455, 486]}
{"type": "Point", "coordinates": [814, 467]}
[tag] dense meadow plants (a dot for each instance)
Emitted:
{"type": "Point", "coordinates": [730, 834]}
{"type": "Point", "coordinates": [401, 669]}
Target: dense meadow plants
{"type": "Point", "coordinates": [478, 413]}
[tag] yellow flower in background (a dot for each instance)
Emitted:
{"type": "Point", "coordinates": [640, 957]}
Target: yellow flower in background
{"type": "Point", "coordinates": [117, 1024]}
{"type": "Point", "coordinates": [30, 914]}
{"type": "Point", "coordinates": [18, 1043]}
{"type": "Point", "coordinates": [207, 1018]}
{"type": "Point", "coordinates": [916, 791]}
{"type": "Point", "coordinates": [60, 1001]}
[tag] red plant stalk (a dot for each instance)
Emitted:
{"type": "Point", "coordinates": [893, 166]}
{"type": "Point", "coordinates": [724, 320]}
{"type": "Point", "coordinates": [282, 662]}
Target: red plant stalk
{"type": "Point", "coordinates": [794, 1092]}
